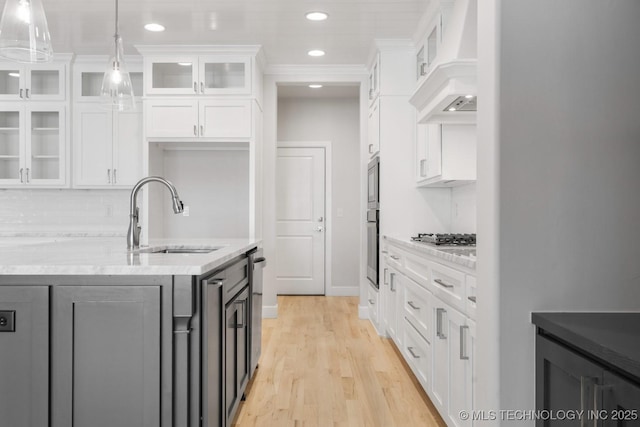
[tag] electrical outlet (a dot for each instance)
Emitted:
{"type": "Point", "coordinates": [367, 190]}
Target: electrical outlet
{"type": "Point", "coordinates": [185, 211]}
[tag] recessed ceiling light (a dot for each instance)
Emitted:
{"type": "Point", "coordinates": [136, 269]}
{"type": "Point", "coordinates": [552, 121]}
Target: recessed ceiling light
{"type": "Point", "coordinates": [316, 52]}
{"type": "Point", "coordinates": [14, 74]}
{"type": "Point", "coordinates": [468, 96]}
{"type": "Point", "coordinates": [315, 86]}
{"type": "Point", "coordinates": [185, 64]}
{"type": "Point", "coordinates": [154, 27]}
{"type": "Point", "coordinates": [452, 109]}
{"type": "Point", "coordinates": [316, 16]}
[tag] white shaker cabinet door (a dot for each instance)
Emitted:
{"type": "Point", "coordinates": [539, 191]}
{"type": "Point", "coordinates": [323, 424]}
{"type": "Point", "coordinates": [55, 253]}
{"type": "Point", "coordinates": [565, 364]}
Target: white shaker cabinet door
{"type": "Point", "coordinates": [171, 118]}
{"type": "Point", "coordinates": [225, 119]}
{"type": "Point", "coordinates": [127, 147]}
{"type": "Point", "coordinates": [92, 145]}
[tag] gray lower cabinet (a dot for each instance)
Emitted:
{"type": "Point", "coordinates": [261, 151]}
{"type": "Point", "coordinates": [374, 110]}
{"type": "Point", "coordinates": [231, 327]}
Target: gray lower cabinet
{"type": "Point", "coordinates": [105, 356]}
{"type": "Point", "coordinates": [24, 356]}
{"type": "Point", "coordinates": [226, 342]}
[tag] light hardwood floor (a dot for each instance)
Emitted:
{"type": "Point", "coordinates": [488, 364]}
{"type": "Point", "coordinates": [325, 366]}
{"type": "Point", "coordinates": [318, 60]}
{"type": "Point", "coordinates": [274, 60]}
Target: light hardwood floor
{"type": "Point", "coordinates": [322, 366]}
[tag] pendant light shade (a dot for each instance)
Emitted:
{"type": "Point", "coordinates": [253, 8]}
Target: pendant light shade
{"type": "Point", "coordinates": [117, 90]}
{"type": "Point", "coordinates": [24, 33]}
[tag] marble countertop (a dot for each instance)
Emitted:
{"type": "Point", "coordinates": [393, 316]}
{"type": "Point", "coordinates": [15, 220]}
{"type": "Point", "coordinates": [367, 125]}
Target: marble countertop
{"type": "Point", "coordinates": [447, 253]}
{"type": "Point", "coordinates": [109, 256]}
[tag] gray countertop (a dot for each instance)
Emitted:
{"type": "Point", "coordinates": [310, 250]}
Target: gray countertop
{"type": "Point", "coordinates": [109, 256]}
{"type": "Point", "coordinates": [613, 338]}
{"type": "Point", "coordinates": [436, 251]}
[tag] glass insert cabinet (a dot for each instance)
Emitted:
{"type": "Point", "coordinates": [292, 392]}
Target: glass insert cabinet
{"type": "Point", "coordinates": [32, 82]}
{"type": "Point", "coordinates": [198, 75]}
{"type": "Point", "coordinates": [32, 145]}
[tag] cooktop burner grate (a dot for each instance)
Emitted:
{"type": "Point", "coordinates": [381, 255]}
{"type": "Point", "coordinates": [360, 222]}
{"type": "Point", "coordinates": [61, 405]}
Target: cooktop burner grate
{"type": "Point", "coordinates": [446, 239]}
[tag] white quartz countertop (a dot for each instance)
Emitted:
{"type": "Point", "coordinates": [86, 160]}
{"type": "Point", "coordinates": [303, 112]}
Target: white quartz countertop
{"type": "Point", "coordinates": [447, 253]}
{"type": "Point", "coordinates": [109, 256]}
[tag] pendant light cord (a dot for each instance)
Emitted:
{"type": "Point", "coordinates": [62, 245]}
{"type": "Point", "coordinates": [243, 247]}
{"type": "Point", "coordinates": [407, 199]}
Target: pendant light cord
{"type": "Point", "coordinates": [116, 55]}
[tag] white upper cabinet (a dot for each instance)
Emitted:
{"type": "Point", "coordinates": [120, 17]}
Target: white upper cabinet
{"type": "Point", "coordinates": [107, 145]}
{"type": "Point", "coordinates": [198, 75]}
{"type": "Point", "coordinates": [32, 145]}
{"type": "Point", "coordinates": [107, 150]}
{"type": "Point", "coordinates": [192, 118]}
{"type": "Point", "coordinates": [427, 49]}
{"type": "Point", "coordinates": [37, 82]}
{"type": "Point", "coordinates": [374, 79]}
{"type": "Point", "coordinates": [88, 72]}
{"type": "Point", "coordinates": [445, 155]}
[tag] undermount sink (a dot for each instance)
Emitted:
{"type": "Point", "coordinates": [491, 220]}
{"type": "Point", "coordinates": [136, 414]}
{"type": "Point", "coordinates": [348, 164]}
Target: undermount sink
{"type": "Point", "coordinates": [180, 250]}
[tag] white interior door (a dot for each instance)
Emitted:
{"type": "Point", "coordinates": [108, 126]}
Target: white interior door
{"type": "Point", "coordinates": [300, 221]}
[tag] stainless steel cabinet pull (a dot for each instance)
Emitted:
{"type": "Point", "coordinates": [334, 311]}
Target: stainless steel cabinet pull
{"type": "Point", "coordinates": [370, 93]}
{"type": "Point", "coordinates": [392, 281]}
{"type": "Point", "coordinates": [26, 91]}
{"type": "Point", "coordinates": [195, 87]}
{"type": "Point", "coordinates": [412, 305]}
{"type": "Point", "coordinates": [370, 148]}
{"type": "Point", "coordinates": [21, 91]}
{"type": "Point", "coordinates": [115, 176]}
{"type": "Point", "coordinates": [464, 355]}
{"type": "Point", "coordinates": [395, 257]}
{"type": "Point", "coordinates": [201, 87]}
{"type": "Point", "coordinates": [242, 318]}
{"type": "Point", "coordinates": [423, 169]}
{"type": "Point", "coordinates": [472, 299]}
{"type": "Point", "coordinates": [415, 356]}
{"type": "Point", "coordinates": [201, 130]}
{"type": "Point", "coordinates": [195, 130]}
{"type": "Point", "coordinates": [20, 173]}
{"type": "Point", "coordinates": [216, 282]}
{"type": "Point", "coordinates": [441, 283]}
{"type": "Point", "coordinates": [439, 313]}
{"type": "Point", "coordinates": [372, 302]}
{"type": "Point", "coordinates": [423, 69]}
{"type": "Point", "coordinates": [384, 274]}
{"type": "Point", "coordinates": [587, 397]}
{"type": "Point", "coordinates": [108, 176]}
{"type": "Point", "coordinates": [27, 175]}
{"type": "Point", "coordinates": [384, 252]}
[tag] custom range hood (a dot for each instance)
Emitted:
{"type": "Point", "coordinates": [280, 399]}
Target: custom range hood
{"type": "Point", "coordinates": [447, 93]}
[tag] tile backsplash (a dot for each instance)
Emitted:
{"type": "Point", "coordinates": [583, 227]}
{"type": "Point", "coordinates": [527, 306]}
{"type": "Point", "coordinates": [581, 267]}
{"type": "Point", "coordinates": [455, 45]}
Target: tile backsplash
{"type": "Point", "coordinates": [64, 212]}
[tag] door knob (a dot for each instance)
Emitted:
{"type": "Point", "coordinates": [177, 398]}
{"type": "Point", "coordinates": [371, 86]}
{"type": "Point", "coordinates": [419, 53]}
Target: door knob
{"type": "Point", "coordinates": [319, 229]}
{"type": "Point", "coordinates": [321, 219]}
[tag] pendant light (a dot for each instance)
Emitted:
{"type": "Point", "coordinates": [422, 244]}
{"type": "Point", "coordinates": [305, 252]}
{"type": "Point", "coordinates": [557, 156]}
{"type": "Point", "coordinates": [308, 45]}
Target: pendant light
{"type": "Point", "coordinates": [117, 91]}
{"type": "Point", "coordinates": [24, 33]}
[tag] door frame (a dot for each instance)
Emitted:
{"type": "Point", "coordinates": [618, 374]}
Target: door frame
{"type": "Point", "coordinates": [326, 145]}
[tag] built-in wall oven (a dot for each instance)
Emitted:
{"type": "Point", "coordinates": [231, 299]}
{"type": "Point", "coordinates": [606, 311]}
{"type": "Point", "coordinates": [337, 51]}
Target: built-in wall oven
{"type": "Point", "coordinates": [373, 220]}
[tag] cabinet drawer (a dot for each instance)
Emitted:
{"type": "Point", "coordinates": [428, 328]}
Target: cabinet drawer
{"type": "Point", "coordinates": [417, 352]}
{"type": "Point", "coordinates": [417, 268]}
{"type": "Point", "coordinates": [394, 257]}
{"type": "Point", "coordinates": [416, 306]}
{"type": "Point", "coordinates": [471, 297]}
{"type": "Point", "coordinates": [448, 285]}
{"type": "Point", "coordinates": [233, 277]}
{"type": "Point", "coordinates": [225, 119]}
{"type": "Point", "coordinates": [171, 118]}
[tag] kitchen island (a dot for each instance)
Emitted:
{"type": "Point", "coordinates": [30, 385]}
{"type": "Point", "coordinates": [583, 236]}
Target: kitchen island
{"type": "Point", "coordinates": [94, 335]}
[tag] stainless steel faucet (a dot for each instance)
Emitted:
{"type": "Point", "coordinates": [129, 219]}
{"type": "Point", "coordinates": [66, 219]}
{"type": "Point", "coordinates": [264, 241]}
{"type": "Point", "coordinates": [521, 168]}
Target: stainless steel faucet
{"type": "Point", "coordinates": [133, 234]}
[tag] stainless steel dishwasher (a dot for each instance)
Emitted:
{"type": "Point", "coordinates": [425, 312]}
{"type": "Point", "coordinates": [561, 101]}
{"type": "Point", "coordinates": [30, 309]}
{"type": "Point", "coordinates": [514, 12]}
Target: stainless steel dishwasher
{"type": "Point", "coordinates": [256, 263]}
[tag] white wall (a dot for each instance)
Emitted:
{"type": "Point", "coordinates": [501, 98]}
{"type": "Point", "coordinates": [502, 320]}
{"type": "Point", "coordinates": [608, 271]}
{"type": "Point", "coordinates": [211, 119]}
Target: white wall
{"type": "Point", "coordinates": [335, 120]}
{"type": "Point", "coordinates": [64, 212]}
{"type": "Point", "coordinates": [463, 209]}
{"type": "Point", "coordinates": [565, 192]}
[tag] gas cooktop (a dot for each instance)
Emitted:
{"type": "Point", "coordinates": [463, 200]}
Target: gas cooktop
{"type": "Point", "coordinates": [446, 239]}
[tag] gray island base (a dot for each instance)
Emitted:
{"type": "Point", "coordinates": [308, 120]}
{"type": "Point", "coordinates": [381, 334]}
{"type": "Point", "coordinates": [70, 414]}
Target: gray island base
{"type": "Point", "coordinates": [96, 336]}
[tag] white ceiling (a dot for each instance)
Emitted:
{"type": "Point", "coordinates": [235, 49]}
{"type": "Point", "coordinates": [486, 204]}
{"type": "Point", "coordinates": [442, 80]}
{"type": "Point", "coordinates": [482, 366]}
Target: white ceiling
{"type": "Point", "coordinates": [86, 26]}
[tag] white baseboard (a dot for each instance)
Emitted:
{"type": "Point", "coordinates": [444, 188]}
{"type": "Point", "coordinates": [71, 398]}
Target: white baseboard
{"type": "Point", "coordinates": [343, 291]}
{"type": "Point", "coordinates": [363, 312]}
{"type": "Point", "coordinates": [270, 311]}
